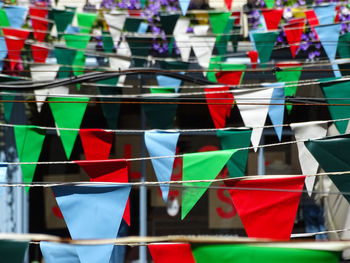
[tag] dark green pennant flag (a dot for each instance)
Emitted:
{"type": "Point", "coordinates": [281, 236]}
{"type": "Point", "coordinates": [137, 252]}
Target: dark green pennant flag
{"type": "Point", "coordinates": [332, 91]}
{"type": "Point", "coordinates": [168, 22]}
{"type": "Point", "coordinates": [68, 112]}
{"type": "Point", "coordinates": [235, 139]}
{"type": "Point", "coordinates": [139, 46]}
{"type": "Point", "coordinates": [222, 40]}
{"type": "Point", "coordinates": [107, 41]}
{"type": "Point", "coordinates": [65, 56]}
{"type": "Point", "coordinates": [200, 166]}
{"type": "Point", "coordinates": [13, 251]}
{"type": "Point", "coordinates": [333, 155]}
{"type": "Point", "coordinates": [29, 142]}
{"type": "Point", "coordinates": [8, 106]}
{"type": "Point", "coordinates": [62, 19]}
{"type": "Point", "coordinates": [343, 45]}
{"type": "Point", "coordinates": [86, 21]}
{"type": "Point", "coordinates": [160, 116]}
{"type": "Point", "coordinates": [238, 253]}
{"type": "Point", "coordinates": [265, 43]}
{"type": "Point", "coordinates": [219, 21]}
{"type": "Point", "coordinates": [132, 24]}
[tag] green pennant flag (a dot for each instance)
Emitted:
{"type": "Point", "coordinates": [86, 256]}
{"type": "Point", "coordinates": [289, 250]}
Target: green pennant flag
{"type": "Point", "coordinates": [214, 64]}
{"type": "Point", "coordinates": [235, 37]}
{"type": "Point", "coordinates": [64, 56]}
{"type": "Point", "coordinates": [168, 22]}
{"type": "Point", "coordinates": [332, 91]}
{"type": "Point", "coordinates": [238, 253]}
{"type": "Point", "coordinates": [4, 21]}
{"type": "Point", "coordinates": [235, 139]}
{"type": "Point", "coordinates": [343, 45]}
{"type": "Point", "coordinates": [222, 40]}
{"type": "Point", "coordinates": [287, 75]}
{"type": "Point", "coordinates": [219, 21]}
{"type": "Point", "coordinates": [270, 3]}
{"type": "Point", "coordinates": [265, 43]}
{"type": "Point", "coordinates": [132, 24]}
{"type": "Point", "coordinates": [62, 19]}
{"type": "Point", "coordinates": [139, 46]}
{"type": "Point", "coordinates": [86, 21]}
{"type": "Point", "coordinates": [110, 110]}
{"type": "Point", "coordinates": [200, 166]}
{"type": "Point", "coordinates": [333, 155]}
{"type": "Point", "coordinates": [160, 116]}
{"type": "Point", "coordinates": [107, 41]}
{"type": "Point", "coordinates": [8, 106]}
{"type": "Point", "coordinates": [13, 251]}
{"type": "Point", "coordinates": [68, 112]}
{"type": "Point", "coordinates": [29, 141]}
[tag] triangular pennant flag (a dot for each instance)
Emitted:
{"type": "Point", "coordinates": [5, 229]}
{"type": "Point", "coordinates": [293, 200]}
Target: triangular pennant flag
{"type": "Point", "coordinates": [289, 75]}
{"type": "Point", "coordinates": [219, 105]}
{"type": "Point", "coordinates": [139, 46]}
{"type": "Point", "coordinates": [203, 51]}
{"type": "Point", "coordinates": [3, 176]}
{"type": "Point", "coordinates": [96, 143]}
{"type": "Point", "coordinates": [171, 252]}
{"type": "Point", "coordinates": [253, 55]}
{"type": "Point", "coordinates": [343, 47]}
{"type": "Point", "coordinates": [276, 109]}
{"type": "Point", "coordinates": [15, 39]}
{"type": "Point", "coordinates": [257, 206]}
{"type": "Point", "coordinates": [132, 24]}
{"type": "Point", "coordinates": [59, 253]}
{"type": "Point", "coordinates": [92, 213]}
{"type": "Point", "coordinates": [113, 170]}
{"type": "Point", "coordinates": [162, 144]}
{"type": "Point", "coordinates": [219, 21]}
{"type": "Point", "coordinates": [228, 77]}
{"type": "Point", "coordinates": [107, 40]}
{"type": "Point", "coordinates": [228, 4]}
{"type": "Point", "coordinates": [62, 18]}
{"type": "Point", "coordinates": [304, 131]}
{"type": "Point", "coordinates": [3, 51]}
{"type": "Point", "coordinates": [86, 21]}
{"type": "Point", "coordinates": [272, 18]}
{"type": "Point", "coordinates": [4, 21]}
{"type": "Point", "coordinates": [168, 22]}
{"type": "Point", "coordinates": [40, 25]}
{"type": "Point", "coordinates": [12, 251]}
{"type": "Point", "coordinates": [68, 112]}
{"type": "Point", "coordinates": [181, 37]}
{"type": "Point", "coordinates": [236, 139]}
{"type": "Point", "coordinates": [40, 53]}
{"type": "Point", "coordinates": [64, 56]}
{"type": "Point", "coordinates": [264, 43]}
{"type": "Point", "coordinates": [8, 106]}
{"type": "Point", "coordinates": [115, 24]}
{"type": "Point", "coordinates": [325, 13]}
{"type": "Point", "coordinates": [160, 116]}
{"type": "Point", "coordinates": [200, 166]}
{"type": "Point", "coordinates": [269, 3]}
{"type": "Point", "coordinates": [223, 38]}
{"type": "Point", "coordinates": [184, 4]}
{"type": "Point", "coordinates": [16, 15]}
{"type": "Point", "coordinates": [38, 11]}
{"type": "Point", "coordinates": [254, 115]}
{"type": "Point", "coordinates": [333, 155]}
{"type": "Point", "coordinates": [29, 141]}
{"type": "Point", "coordinates": [293, 33]}
{"type": "Point", "coordinates": [312, 19]}
{"type": "Point", "coordinates": [333, 91]}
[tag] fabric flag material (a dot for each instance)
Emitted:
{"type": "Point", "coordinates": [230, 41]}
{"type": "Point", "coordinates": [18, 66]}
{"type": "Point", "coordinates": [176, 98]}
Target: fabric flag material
{"type": "Point", "coordinates": [3, 51]}
{"type": "Point", "coordinates": [139, 46]}
{"type": "Point", "coordinates": [259, 203]}
{"type": "Point", "coordinates": [170, 84]}
{"type": "Point", "coordinates": [253, 55]}
{"type": "Point", "coordinates": [276, 112]}
{"type": "Point", "coordinates": [269, 3]}
{"type": "Point", "coordinates": [162, 144]}
{"type": "Point", "coordinates": [272, 18]}
{"type": "Point", "coordinates": [238, 253]}
{"type": "Point", "coordinates": [200, 166]}
{"type": "Point", "coordinates": [160, 116]}
{"type": "Point", "coordinates": [329, 36]}
{"type": "Point", "coordinates": [112, 170]}
{"type": "Point", "coordinates": [110, 110]}
{"type": "Point", "coordinates": [312, 19]}
{"type": "Point", "coordinates": [3, 176]}
{"type": "Point", "coordinates": [235, 139]}
{"type": "Point", "coordinates": [231, 74]}
{"type": "Point", "coordinates": [181, 37]}
{"type": "Point", "coordinates": [332, 153]}
{"type": "Point", "coordinates": [223, 38]}
{"type": "Point", "coordinates": [264, 43]}
{"type": "Point", "coordinates": [62, 18]}
{"type": "Point", "coordinates": [203, 51]}
{"type": "Point", "coordinates": [221, 111]}
{"type": "Point", "coordinates": [15, 39]}
{"type": "Point", "coordinates": [219, 21]}
{"type": "Point", "coordinates": [29, 141]}
{"type": "Point", "coordinates": [64, 56]}
{"type": "Point", "coordinates": [171, 253]}
{"type": "Point", "coordinates": [16, 15]}
{"type": "Point", "coordinates": [40, 53]}
{"type": "Point", "coordinates": [308, 164]}
{"type": "Point", "coordinates": [59, 253]}
{"type": "Point", "coordinates": [293, 33]}
{"type": "Point", "coordinates": [13, 251]}
{"type": "Point", "coordinates": [86, 21]}
{"type": "Point", "coordinates": [38, 16]}
{"type": "Point", "coordinates": [325, 13]}
{"type": "Point", "coordinates": [92, 212]}
{"type": "Point", "coordinates": [343, 47]}
{"type": "Point", "coordinates": [168, 22]}
{"type": "Point", "coordinates": [254, 116]}
{"type": "Point", "coordinates": [184, 4]}
{"type": "Point", "coordinates": [68, 112]}
{"type": "Point", "coordinates": [4, 21]}
{"type": "Point", "coordinates": [332, 92]}
{"type": "Point", "coordinates": [115, 24]}
{"type": "Point", "coordinates": [96, 143]}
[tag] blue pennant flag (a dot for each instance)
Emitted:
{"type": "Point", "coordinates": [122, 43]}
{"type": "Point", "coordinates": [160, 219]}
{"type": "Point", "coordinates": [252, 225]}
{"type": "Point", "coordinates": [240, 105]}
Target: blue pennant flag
{"type": "Point", "coordinates": [276, 112]}
{"type": "Point", "coordinates": [162, 144]}
{"type": "Point", "coordinates": [3, 51]}
{"type": "Point", "coordinates": [16, 15]}
{"type": "Point", "coordinates": [184, 4]}
{"type": "Point", "coordinates": [59, 253]}
{"type": "Point", "coordinates": [92, 212]}
{"type": "Point", "coordinates": [3, 175]}
{"type": "Point", "coordinates": [169, 82]}
{"type": "Point", "coordinates": [325, 14]}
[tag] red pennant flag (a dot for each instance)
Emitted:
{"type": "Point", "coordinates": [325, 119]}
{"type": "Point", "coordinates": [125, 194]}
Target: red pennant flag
{"type": "Point", "coordinates": [293, 34]}
{"type": "Point", "coordinates": [171, 253]}
{"type": "Point", "coordinates": [336, 19]}
{"type": "Point", "coordinates": [113, 170]}
{"type": "Point", "coordinates": [266, 213]}
{"type": "Point", "coordinates": [253, 55]}
{"type": "Point", "coordinates": [312, 20]}
{"type": "Point", "coordinates": [228, 4]}
{"type": "Point", "coordinates": [14, 39]}
{"type": "Point", "coordinates": [40, 53]}
{"type": "Point", "coordinates": [229, 77]}
{"type": "Point", "coordinates": [272, 18]}
{"type": "Point", "coordinates": [221, 111]}
{"type": "Point", "coordinates": [97, 143]}
{"type": "Point", "coordinates": [40, 10]}
{"type": "Point", "coordinates": [39, 23]}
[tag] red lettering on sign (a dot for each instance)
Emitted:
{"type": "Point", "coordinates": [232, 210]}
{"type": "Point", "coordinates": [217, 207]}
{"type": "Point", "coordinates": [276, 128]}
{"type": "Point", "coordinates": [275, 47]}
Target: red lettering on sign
{"type": "Point", "coordinates": [227, 200]}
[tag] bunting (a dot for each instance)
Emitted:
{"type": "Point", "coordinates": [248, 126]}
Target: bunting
{"type": "Point", "coordinates": [293, 33]}
{"type": "Point", "coordinates": [171, 253]}
{"type": "Point", "coordinates": [272, 18]}
{"type": "Point", "coordinates": [96, 143]}
{"type": "Point", "coordinates": [59, 253]}
{"type": "Point", "coordinates": [264, 43]}
{"type": "Point", "coordinates": [13, 251]}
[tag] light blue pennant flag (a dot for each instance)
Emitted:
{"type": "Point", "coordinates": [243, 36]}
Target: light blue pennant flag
{"type": "Point", "coordinates": [162, 144]}
{"type": "Point", "coordinates": [169, 82]}
{"type": "Point", "coordinates": [325, 14]}
{"type": "Point", "coordinates": [72, 29]}
{"type": "Point", "coordinates": [3, 51]}
{"type": "Point", "coordinates": [59, 253]}
{"type": "Point", "coordinates": [16, 15]}
{"type": "Point", "coordinates": [92, 212]}
{"type": "Point", "coordinates": [3, 175]}
{"type": "Point", "coordinates": [184, 4]}
{"type": "Point", "coordinates": [142, 28]}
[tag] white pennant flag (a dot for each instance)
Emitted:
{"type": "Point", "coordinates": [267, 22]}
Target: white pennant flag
{"type": "Point", "coordinates": [202, 45]}
{"type": "Point", "coordinates": [120, 63]}
{"type": "Point", "coordinates": [253, 111]}
{"type": "Point", "coordinates": [115, 22]}
{"type": "Point", "coordinates": [45, 72]}
{"type": "Point", "coordinates": [309, 165]}
{"type": "Point", "coordinates": [182, 39]}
